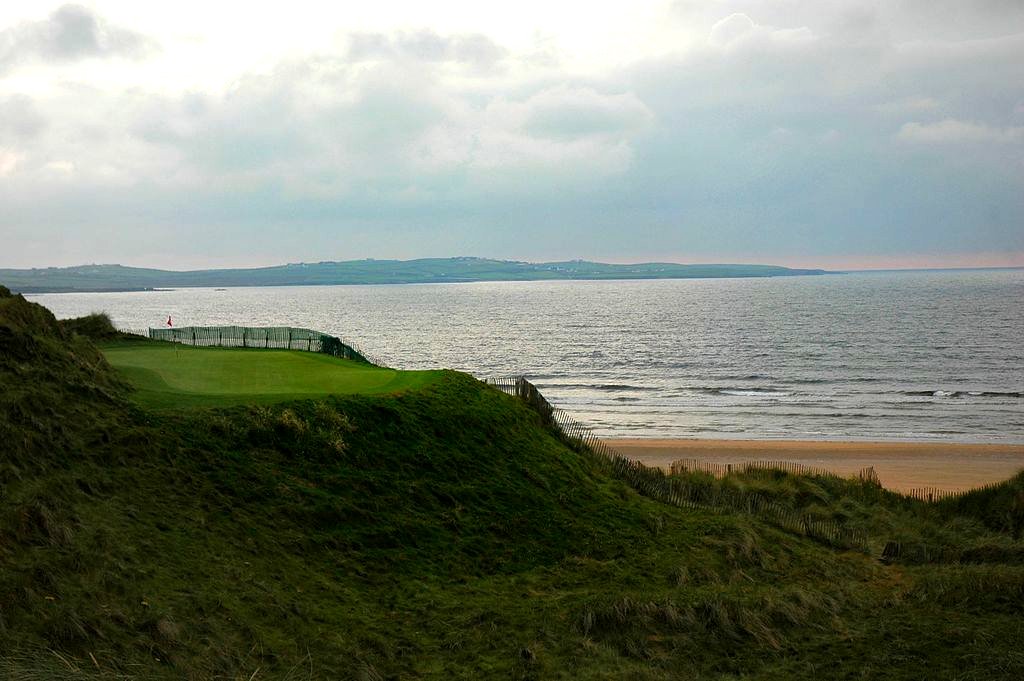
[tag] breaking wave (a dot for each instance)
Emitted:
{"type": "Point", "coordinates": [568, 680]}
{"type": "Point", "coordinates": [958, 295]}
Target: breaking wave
{"type": "Point", "coordinates": [960, 393]}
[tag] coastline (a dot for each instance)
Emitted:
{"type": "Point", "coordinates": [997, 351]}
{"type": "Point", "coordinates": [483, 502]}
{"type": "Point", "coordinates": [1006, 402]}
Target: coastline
{"type": "Point", "coordinates": [900, 465]}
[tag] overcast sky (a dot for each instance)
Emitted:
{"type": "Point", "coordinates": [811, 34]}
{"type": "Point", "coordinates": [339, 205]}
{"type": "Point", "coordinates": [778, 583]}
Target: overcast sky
{"type": "Point", "coordinates": [845, 133]}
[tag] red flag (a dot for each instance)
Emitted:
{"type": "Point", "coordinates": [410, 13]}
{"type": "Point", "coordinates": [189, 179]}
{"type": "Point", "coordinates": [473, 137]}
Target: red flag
{"type": "Point", "coordinates": [169, 321]}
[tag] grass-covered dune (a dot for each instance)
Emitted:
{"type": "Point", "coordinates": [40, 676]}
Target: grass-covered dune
{"type": "Point", "coordinates": [435, 531]}
{"type": "Point", "coordinates": [422, 270]}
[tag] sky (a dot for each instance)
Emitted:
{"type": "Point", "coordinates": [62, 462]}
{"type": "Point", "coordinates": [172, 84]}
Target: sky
{"type": "Point", "coordinates": [828, 133]}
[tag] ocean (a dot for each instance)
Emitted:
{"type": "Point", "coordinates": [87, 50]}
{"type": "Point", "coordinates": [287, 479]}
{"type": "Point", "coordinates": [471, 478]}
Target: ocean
{"type": "Point", "coordinates": [926, 355]}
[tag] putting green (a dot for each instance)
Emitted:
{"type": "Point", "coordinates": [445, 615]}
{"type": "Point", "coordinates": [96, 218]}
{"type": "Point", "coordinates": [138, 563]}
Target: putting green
{"type": "Point", "coordinates": [168, 376]}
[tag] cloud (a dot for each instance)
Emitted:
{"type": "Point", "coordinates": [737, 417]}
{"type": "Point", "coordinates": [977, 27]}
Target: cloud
{"type": "Point", "coordinates": [950, 131]}
{"type": "Point", "coordinates": [328, 128]}
{"type": "Point", "coordinates": [869, 20]}
{"type": "Point", "coordinates": [425, 45]}
{"type": "Point", "coordinates": [739, 31]}
{"type": "Point", "coordinates": [565, 112]}
{"type": "Point", "coordinates": [70, 33]}
{"type": "Point", "coordinates": [19, 119]}
{"type": "Point", "coordinates": [9, 160]}
{"type": "Point", "coordinates": [908, 105]}
{"type": "Point", "coordinates": [730, 29]}
{"type": "Point", "coordinates": [60, 166]}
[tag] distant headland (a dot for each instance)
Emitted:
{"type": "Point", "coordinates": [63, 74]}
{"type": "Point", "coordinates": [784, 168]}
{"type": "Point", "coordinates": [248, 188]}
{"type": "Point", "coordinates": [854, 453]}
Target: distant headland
{"type": "Point", "coordinates": [95, 278]}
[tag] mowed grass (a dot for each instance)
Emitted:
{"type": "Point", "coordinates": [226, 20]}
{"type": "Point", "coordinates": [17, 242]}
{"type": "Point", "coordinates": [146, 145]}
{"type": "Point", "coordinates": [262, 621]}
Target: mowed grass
{"type": "Point", "coordinates": [168, 376]}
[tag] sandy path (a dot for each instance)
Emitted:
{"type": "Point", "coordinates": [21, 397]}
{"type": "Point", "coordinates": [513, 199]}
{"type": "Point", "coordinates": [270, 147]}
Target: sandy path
{"type": "Point", "coordinates": [900, 465]}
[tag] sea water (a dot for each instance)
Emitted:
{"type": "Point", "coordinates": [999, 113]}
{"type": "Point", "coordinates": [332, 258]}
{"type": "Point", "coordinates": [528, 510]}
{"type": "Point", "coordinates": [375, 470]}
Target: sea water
{"type": "Point", "coordinates": [891, 355]}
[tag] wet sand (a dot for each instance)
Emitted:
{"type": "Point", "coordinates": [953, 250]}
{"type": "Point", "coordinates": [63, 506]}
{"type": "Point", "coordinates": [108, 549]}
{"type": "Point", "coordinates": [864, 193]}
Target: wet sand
{"type": "Point", "coordinates": [900, 465]}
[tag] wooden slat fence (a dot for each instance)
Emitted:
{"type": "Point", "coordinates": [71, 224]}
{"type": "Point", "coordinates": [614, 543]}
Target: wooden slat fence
{"type": "Point", "coordinates": [283, 337]}
{"type": "Point", "coordinates": [654, 483]}
{"type": "Point", "coordinates": [720, 470]}
{"type": "Point", "coordinates": [762, 467]}
{"type": "Point", "coordinates": [934, 494]}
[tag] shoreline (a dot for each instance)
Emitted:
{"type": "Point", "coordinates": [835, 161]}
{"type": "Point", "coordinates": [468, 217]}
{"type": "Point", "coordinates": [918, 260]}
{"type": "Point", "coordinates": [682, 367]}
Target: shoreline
{"type": "Point", "coordinates": [900, 466]}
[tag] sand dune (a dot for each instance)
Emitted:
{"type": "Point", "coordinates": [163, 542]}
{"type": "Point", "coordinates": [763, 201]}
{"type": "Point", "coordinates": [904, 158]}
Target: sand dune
{"type": "Point", "coordinates": [900, 465]}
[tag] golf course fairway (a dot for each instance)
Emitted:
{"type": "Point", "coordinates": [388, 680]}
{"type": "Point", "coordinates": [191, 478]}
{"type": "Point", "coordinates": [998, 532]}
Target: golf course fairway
{"type": "Point", "coordinates": [168, 376]}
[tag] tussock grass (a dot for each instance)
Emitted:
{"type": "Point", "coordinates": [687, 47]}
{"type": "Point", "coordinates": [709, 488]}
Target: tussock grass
{"type": "Point", "coordinates": [1000, 507]}
{"type": "Point", "coordinates": [96, 326]}
{"type": "Point", "coordinates": [979, 588]}
{"type": "Point", "coordinates": [925, 532]}
{"type": "Point", "coordinates": [718, 615]}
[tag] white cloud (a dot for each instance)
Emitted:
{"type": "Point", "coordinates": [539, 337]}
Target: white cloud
{"type": "Point", "coordinates": [20, 119]}
{"type": "Point", "coordinates": [738, 31]}
{"type": "Point", "coordinates": [326, 128]}
{"type": "Point", "coordinates": [730, 29]}
{"type": "Point", "coordinates": [908, 105]}
{"type": "Point", "coordinates": [951, 131]}
{"type": "Point", "coordinates": [61, 167]}
{"type": "Point", "coordinates": [426, 45]}
{"type": "Point", "coordinates": [567, 112]}
{"type": "Point", "coordinates": [9, 160]}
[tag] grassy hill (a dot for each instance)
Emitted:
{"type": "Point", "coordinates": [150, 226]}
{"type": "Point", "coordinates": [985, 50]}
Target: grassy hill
{"type": "Point", "coordinates": [440, 531]}
{"type": "Point", "coordinates": [423, 270]}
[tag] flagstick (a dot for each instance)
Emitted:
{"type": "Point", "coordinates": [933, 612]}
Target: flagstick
{"type": "Point", "coordinates": [169, 326]}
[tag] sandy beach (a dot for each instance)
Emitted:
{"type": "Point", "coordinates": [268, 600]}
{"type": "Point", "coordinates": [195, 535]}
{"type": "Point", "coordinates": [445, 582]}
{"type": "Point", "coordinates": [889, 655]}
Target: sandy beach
{"type": "Point", "coordinates": [900, 465]}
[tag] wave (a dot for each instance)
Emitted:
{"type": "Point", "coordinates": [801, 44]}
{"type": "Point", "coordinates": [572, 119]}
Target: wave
{"type": "Point", "coordinates": [605, 387]}
{"type": "Point", "coordinates": [621, 386]}
{"type": "Point", "coordinates": [960, 393]}
{"type": "Point", "coordinates": [818, 381]}
{"type": "Point", "coordinates": [746, 392]}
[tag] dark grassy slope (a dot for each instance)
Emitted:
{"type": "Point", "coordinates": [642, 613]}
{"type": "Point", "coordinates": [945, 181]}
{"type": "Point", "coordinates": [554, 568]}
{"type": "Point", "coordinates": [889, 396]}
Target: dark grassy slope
{"type": "Point", "coordinates": [436, 533]}
{"type": "Point", "coordinates": [57, 393]}
{"type": "Point", "coordinates": [423, 270]}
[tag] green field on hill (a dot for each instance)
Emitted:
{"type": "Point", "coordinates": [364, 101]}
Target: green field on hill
{"type": "Point", "coordinates": [169, 376]}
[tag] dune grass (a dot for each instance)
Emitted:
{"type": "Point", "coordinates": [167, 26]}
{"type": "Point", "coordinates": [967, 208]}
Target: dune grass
{"type": "Point", "coordinates": [172, 376]}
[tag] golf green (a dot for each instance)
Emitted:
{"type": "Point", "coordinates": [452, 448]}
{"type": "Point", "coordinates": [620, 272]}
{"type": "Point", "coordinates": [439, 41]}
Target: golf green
{"type": "Point", "coordinates": [168, 376]}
